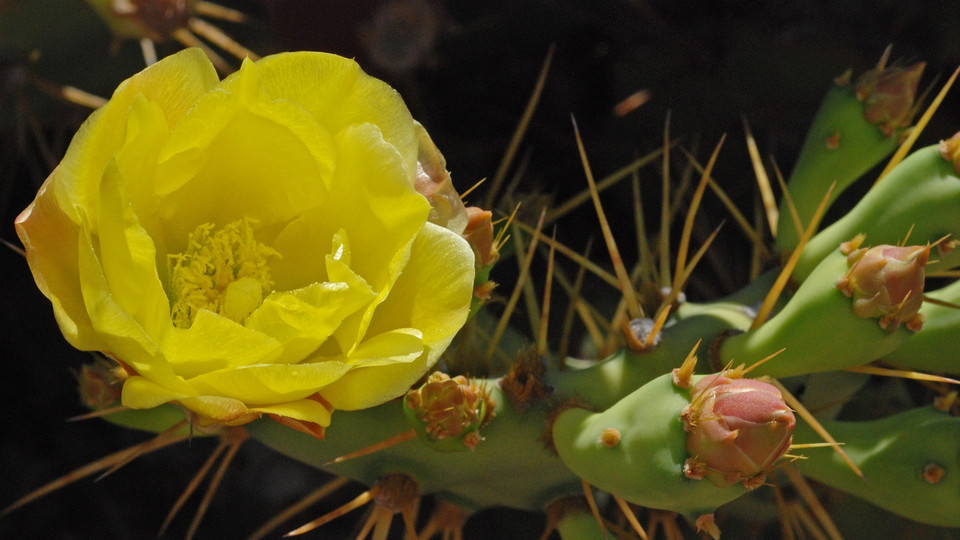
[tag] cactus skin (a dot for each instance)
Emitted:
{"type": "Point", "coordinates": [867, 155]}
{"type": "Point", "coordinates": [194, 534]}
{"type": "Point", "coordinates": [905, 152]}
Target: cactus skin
{"type": "Point", "coordinates": [892, 453]}
{"type": "Point", "coordinates": [528, 475]}
{"type": "Point", "coordinates": [817, 328]}
{"type": "Point", "coordinates": [922, 193]}
{"type": "Point", "coordinates": [646, 467]}
{"type": "Point", "coordinates": [936, 348]}
{"type": "Point", "coordinates": [840, 147]}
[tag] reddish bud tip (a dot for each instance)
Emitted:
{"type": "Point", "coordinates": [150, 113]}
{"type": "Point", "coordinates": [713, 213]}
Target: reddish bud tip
{"type": "Point", "coordinates": [479, 234]}
{"type": "Point", "coordinates": [886, 283]}
{"type": "Point", "coordinates": [737, 430]}
{"type": "Point", "coordinates": [888, 95]}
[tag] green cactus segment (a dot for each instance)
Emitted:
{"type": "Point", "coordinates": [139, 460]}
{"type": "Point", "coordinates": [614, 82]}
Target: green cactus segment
{"type": "Point", "coordinates": [817, 328]}
{"type": "Point", "coordinates": [840, 147]}
{"type": "Point", "coordinates": [153, 420]}
{"type": "Point", "coordinates": [922, 193]}
{"type": "Point", "coordinates": [528, 476]}
{"type": "Point", "coordinates": [646, 466]}
{"type": "Point", "coordinates": [910, 463]}
{"type": "Point", "coordinates": [580, 525]}
{"type": "Point", "coordinates": [936, 347]}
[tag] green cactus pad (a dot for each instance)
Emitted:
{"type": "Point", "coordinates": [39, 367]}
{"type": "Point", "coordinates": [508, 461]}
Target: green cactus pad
{"type": "Point", "coordinates": [646, 466]}
{"type": "Point", "coordinates": [840, 147]}
{"type": "Point", "coordinates": [921, 196]}
{"type": "Point", "coordinates": [893, 454]}
{"type": "Point", "coordinates": [936, 347]}
{"type": "Point", "coordinates": [817, 330]}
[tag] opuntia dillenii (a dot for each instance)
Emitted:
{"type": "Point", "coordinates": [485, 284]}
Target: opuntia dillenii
{"type": "Point", "coordinates": [737, 430]}
{"type": "Point", "coordinates": [885, 282]}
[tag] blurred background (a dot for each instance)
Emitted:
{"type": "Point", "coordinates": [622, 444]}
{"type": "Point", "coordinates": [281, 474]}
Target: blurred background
{"type": "Point", "coordinates": [466, 70]}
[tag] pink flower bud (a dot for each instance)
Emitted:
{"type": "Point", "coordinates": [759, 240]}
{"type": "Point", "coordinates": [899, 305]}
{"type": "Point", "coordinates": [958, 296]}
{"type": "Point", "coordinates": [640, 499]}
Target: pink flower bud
{"type": "Point", "coordinates": [737, 429]}
{"type": "Point", "coordinates": [888, 96]}
{"type": "Point", "coordinates": [479, 234]}
{"type": "Point", "coordinates": [886, 282]}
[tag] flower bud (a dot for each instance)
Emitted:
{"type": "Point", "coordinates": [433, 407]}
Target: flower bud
{"type": "Point", "coordinates": [479, 234]}
{"type": "Point", "coordinates": [445, 408]}
{"type": "Point", "coordinates": [885, 282]}
{"type": "Point", "coordinates": [737, 429]}
{"type": "Point", "coordinates": [888, 96]}
{"type": "Point", "coordinates": [99, 386]}
{"type": "Point", "coordinates": [950, 151]}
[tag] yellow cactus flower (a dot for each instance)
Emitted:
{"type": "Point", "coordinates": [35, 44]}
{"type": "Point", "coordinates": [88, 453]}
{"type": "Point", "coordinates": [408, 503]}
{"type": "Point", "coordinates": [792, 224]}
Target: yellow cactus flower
{"type": "Point", "coordinates": [250, 246]}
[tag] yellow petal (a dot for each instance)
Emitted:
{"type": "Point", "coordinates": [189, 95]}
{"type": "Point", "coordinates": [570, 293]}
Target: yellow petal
{"type": "Point", "coordinates": [432, 295]}
{"type": "Point", "coordinates": [398, 346]}
{"type": "Point", "coordinates": [51, 241]}
{"type": "Point", "coordinates": [146, 132]}
{"type": "Point", "coordinates": [373, 201]}
{"type": "Point", "coordinates": [141, 393]}
{"type": "Point", "coordinates": [128, 259]}
{"type": "Point", "coordinates": [266, 384]}
{"type": "Point", "coordinates": [214, 342]}
{"type": "Point", "coordinates": [120, 334]}
{"type": "Point", "coordinates": [303, 319]}
{"type": "Point", "coordinates": [306, 410]}
{"type": "Point", "coordinates": [240, 153]}
{"type": "Point", "coordinates": [174, 83]}
{"type": "Point", "coordinates": [366, 387]}
{"type": "Point", "coordinates": [434, 292]}
{"type": "Point", "coordinates": [339, 94]}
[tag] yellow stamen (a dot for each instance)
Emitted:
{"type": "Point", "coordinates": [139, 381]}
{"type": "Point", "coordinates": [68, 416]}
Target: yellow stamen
{"type": "Point", "coordinates": [222, 270]}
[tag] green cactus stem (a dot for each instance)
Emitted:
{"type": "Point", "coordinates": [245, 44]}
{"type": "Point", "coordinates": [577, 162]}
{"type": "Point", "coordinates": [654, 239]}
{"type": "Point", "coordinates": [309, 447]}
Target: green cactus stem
{"type": "Point", "coordinates": [817, 329]}
{"type": "Point", "coordinates": [856, 126]}
{"type": "Point", "coordinates": [910, 463]}
{"type": "Point", "coordinates": [936, 348]}
{"type": "Point", "coordinates": [528, 475]}
{"type": "Point", "coordinates": [920, 196]}
{"type": "Point", "coordinates": [646, 466]}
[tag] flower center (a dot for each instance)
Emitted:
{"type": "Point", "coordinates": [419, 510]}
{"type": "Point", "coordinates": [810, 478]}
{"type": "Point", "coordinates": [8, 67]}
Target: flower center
{"type": "Point", "coordinates": [222, 270]}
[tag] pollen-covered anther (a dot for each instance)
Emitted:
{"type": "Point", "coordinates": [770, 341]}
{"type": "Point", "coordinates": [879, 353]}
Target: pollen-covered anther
{"type": "Point", "coordinates": [933, 473]}
{"type": "Point", "coordinates": [222, 270]}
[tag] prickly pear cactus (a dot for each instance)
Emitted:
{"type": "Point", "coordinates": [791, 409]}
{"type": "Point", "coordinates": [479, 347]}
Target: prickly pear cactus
{"type": "Point", "coordinates": [270, 268]}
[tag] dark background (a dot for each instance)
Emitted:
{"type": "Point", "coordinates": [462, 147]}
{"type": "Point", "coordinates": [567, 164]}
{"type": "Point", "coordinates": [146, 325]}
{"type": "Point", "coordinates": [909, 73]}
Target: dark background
{"type": "Point", "coordinates": [708, 63]}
